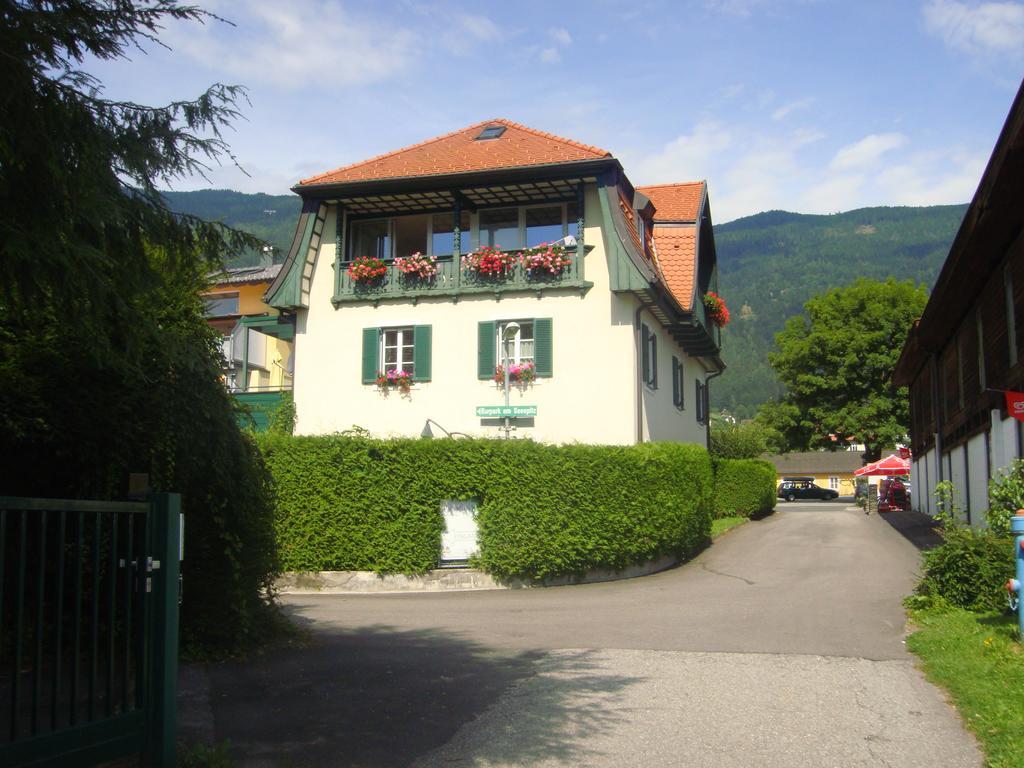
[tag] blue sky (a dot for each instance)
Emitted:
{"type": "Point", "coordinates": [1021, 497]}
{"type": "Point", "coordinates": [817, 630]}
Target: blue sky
{"type": "Point", "coordinates": [813, 106]}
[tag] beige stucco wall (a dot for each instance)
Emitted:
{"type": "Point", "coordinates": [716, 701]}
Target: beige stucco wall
{"type": "Point", "coordinates": [590, 399]}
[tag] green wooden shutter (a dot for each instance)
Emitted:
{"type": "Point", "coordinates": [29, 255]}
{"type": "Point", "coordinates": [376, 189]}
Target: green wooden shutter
{"type": "Point", "coordinates": [676, 383]}
{"type": "Point", "coordinates": [654, 361]}
{"type": "Point", "coordinates": [645, 353]}
{"type": "Point", "coordinates": [421, 352]}
{"type": "Point", "coordinates": [371, 354]}
{"type": "Point", "coordinates": [543, 358]}
{"type": "Point", "coordinates": [486, 350]}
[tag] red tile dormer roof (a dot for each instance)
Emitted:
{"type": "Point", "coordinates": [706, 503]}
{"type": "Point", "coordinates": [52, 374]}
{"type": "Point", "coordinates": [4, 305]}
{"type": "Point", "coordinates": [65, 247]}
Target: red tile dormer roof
{"type": "Point", "coordinates": [675, 202]}
{"type": "Point", "coordinates": [461, 152]}
{"type": "Point", "coordinates": [677, 256]}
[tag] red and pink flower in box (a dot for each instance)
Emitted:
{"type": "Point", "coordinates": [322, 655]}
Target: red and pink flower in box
{"type": "Point", "coordinates": [417, 266]}
{"type": "Point", "coordinates": [394, 379]}
{"type": "Point", "coordinates": [718, 313]}
{"type": "Point", "coordinates": [367, 269]}
{"type": "Point", "coordinates": [489, 262]}
{"type": "Point", "coordinates": [519, 373]}
{"type": "Point", "coordinates": [545, 260]}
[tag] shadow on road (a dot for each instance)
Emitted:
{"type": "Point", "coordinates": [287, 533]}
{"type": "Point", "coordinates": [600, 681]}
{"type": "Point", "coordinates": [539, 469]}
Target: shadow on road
{"type": "Point", "coordinates": [917, 528]}
{"type": "Point", "coordinates": [380, 696]}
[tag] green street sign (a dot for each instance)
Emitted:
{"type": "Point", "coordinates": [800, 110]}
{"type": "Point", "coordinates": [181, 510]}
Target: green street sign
{"type": "Point", "coordinates": [505, 411]}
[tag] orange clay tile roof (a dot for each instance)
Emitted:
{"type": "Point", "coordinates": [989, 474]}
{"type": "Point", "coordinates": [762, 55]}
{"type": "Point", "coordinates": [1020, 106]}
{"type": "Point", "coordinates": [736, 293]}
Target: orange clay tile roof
{"type": "Point", "coordinates": [677, 257]}
{"type": "Point", "coordinates": [459, 152]}
{"type": "Point", "coordinates": [675, 202]}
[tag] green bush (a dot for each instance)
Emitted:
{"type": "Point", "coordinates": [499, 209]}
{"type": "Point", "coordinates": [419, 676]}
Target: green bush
{"type": "Point", "coordinates": [744, 487]}
{"type": "Point", "coordinates": [969, 569]}
{"type": "Point", "coordinates": [351, 503]}
{"type": "Point", "coordinates": [1005, 497]}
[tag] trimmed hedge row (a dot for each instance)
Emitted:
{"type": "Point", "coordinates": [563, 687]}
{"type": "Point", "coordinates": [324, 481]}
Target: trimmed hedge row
{"type": "Point", "coordinates": [744, 487]}
{"type": "Point", "coordinates": [351, 503]}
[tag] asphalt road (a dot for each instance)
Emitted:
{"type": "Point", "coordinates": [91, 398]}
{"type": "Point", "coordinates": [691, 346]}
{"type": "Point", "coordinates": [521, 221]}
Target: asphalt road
{"type": "Point", "coordinates": [780, 645]}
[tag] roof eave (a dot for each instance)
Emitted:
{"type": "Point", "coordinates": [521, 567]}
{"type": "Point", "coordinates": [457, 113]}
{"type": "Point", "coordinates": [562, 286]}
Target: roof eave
{"type": "Point", "coordinates": [454, 180]}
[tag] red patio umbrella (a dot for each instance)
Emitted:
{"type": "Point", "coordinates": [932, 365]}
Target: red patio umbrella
{"type": "Point", "coordinates": [890, 466]}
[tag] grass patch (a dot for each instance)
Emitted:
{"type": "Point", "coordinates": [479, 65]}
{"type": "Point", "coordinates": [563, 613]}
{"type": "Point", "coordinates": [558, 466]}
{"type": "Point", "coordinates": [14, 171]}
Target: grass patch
{"type": "Point", "coordinates": [978, 659]}
{"type": "Point", "coordinates": [206, 756]}
{"type": "Point", "coordinates": [722, 524]}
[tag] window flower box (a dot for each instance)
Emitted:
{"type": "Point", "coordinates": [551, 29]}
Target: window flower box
{"type": "Point", "coordinates": [394, 379]}
{"type": "Point", "coordinates": [717, 312]}
{"type": "Point", "coordinates": [544, 261]}
{"type": "Point", "coordinates": [518, 373]}
{"type": "Point", "coordinates": [417, 268]}
{"type": "Point", "coordinates": [489, 262]}
{"type": "Point", "coordinates": [367, 270]}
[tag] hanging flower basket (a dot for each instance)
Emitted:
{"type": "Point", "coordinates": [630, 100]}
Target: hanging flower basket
{"type": "Point", "coordinates": [544, 261]}
{"type": "Point", "coordinates": [417, 267]}
{"type": "Point", "coordinates": [518, 373]}
{"type": "Point", "coordinates": [367, 270]}
{"type": "Point", "coordinates": [718, 313]}
{"type": "Point", "coordinates": [397, 379]}
{"type": "Point", "coordinates": [489, 262]}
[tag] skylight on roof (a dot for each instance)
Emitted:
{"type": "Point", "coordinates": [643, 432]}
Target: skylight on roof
{"type": "Point", "coordinates": [490, 132]}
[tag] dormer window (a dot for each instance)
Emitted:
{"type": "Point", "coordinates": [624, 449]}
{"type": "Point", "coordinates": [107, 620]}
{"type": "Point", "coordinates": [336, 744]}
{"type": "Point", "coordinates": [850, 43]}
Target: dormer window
{"type": "Point", "coordinates": [490, 132]}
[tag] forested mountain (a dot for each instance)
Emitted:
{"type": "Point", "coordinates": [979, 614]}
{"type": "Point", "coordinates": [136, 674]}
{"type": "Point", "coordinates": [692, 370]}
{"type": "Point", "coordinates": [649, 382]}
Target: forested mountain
{"type": "Point", "coordinates": [771, 263]}
{"type": "Point", "coordinates": [270, 217]}
{"type": "Point", "coordinates": [768, 264]}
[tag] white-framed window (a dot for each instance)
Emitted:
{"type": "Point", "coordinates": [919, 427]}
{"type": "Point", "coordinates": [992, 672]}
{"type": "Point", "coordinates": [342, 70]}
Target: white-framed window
{"type": "Point", "coordinates": [833, 483]}
{"type": "Point", "coordinates": [518, 349]}
{"type": "Point", "coordinates": [397, 350]}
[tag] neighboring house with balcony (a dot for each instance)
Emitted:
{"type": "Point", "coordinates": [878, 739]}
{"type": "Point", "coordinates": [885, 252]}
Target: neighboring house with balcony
{"type": "Point", "coordinates": [256, 341]}
{"type": "Point", "coordinates": [967, 348]}
{"type": "Point", "coordinates": [613, 343]}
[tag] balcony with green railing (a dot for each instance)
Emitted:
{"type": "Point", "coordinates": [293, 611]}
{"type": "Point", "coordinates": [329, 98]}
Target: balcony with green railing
{"type": "Point", "coordinates": [454, 278]}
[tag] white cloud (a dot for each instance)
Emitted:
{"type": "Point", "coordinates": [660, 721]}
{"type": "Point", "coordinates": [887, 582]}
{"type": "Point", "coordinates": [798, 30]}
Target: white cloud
{"type": "Point", "coordinates": [783, 111]}
{"type": "Point", "coordinates": [688, 156]}
{"type": "Point", "coordinates": [977, 29]}
{"type": "Point", "coordinates": [303, 43]}
{"type": "Point", "coordinates": [867, 151]}
{"type": "Point", "coordinates": [550, 56]}
{"type": "Point", "coordinates": [560, 35]}
{"type": "Point", "coordinates": [934, 178]}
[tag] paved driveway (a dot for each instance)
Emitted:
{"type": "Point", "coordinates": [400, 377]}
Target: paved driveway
{"type": "Point", "coordinates": [781, 645]}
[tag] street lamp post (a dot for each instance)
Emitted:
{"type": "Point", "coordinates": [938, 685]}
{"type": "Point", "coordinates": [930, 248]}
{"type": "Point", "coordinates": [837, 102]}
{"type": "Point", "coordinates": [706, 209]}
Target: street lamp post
{"type": "Point", "coordinates": [507, 335]}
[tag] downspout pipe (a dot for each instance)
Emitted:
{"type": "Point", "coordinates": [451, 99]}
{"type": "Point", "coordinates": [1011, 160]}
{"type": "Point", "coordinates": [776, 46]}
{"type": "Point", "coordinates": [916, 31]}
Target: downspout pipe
{"type": "Point", "coordinates": [707, 411]}
{"type": "Point", "coordinates": [637, 326]}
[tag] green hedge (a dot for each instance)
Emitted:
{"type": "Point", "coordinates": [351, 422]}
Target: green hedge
{"type": "Point", "coordinates": [744, 487]}
{"type": "Point", "coordinates": [350, 503]}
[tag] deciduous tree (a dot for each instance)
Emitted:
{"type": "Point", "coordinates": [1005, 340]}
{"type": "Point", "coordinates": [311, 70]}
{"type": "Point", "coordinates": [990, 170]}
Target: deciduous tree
{"type": "Point", "coordinates": [836, 362]}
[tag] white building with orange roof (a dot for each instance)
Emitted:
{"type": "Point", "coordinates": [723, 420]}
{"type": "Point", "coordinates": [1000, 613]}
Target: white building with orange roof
{"type": "Point", "coordinates": [417, 276]}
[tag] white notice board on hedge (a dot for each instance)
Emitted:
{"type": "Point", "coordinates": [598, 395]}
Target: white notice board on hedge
{"type": "Point", "coordinates": [459, 538]}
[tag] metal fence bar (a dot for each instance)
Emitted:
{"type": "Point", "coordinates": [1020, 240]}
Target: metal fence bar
{"type": "Point", "coordinates": [19, 618]}
{"type": "Point", "coordinates": [165, 546]}
{"type": "Point", "coordinates": [58, 665]}
{"type": "Point", "coordinates": [77, 624]}
{"type": "Point", "coordinates": [128, 575]}
{"type": "Point", "coordinates": [111, 613]}
{"type": "Point", "coordinates": [37, 657]}
{"type": "Point", "coordinates": [94, 644]}
{"type": "Point", "coordinates": [3, 549]}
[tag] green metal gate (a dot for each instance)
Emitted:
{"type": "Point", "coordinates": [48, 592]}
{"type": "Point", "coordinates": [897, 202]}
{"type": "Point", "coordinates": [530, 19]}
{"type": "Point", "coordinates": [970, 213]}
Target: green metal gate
{"type": "Point", "coordinates": [88, 630]}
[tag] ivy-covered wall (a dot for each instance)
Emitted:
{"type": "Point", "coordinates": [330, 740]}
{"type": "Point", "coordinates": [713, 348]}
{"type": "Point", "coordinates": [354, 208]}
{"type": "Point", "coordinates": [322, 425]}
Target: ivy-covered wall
{"type": "Point", "coordinates": [744, 487]}
{"type": "Point", "coordinates": [350, 503]}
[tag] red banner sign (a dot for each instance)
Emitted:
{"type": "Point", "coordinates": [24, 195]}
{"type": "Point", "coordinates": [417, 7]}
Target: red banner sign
{"type": "Point", "coordinates": [1015, 404]}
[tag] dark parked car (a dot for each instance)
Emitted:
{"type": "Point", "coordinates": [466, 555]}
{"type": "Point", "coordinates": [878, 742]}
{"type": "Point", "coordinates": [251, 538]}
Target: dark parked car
{"type": "Point", "coordinates": [790, 490]}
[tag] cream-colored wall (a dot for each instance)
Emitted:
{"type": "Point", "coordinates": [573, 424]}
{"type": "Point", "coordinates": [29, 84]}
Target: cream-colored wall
{"type": "Point", "coordinates": [661, 419]}
{"type": "Point", "coordinates": [590, 398]}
